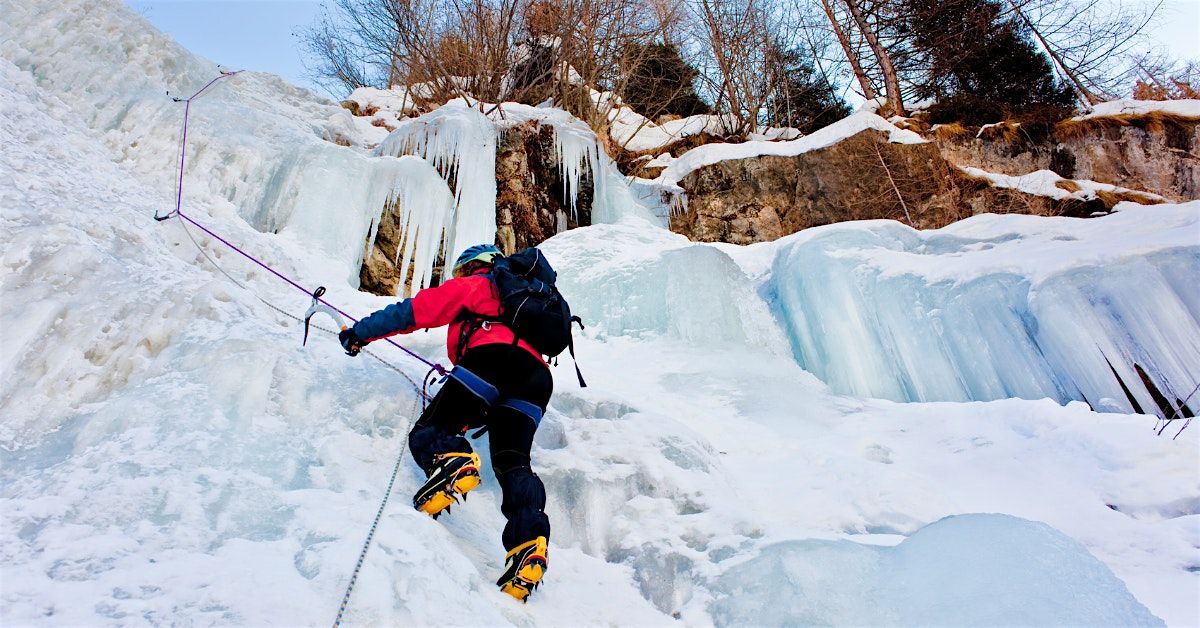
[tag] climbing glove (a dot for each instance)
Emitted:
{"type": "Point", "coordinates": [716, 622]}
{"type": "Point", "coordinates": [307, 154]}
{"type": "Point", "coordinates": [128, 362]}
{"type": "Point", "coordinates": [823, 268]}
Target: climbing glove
{"type": "Point", "coordinates": [351, 342]}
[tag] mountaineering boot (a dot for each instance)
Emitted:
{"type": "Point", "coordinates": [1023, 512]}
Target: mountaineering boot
{"type": "Point", "coordinates": [452, 475]}
{"type": "Point", "coordinates": [523, 568]}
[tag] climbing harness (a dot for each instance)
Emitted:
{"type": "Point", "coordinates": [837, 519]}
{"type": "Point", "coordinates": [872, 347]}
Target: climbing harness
{"type": "Point", "coordinates": [490, 396]}
{"type": "Point", "coordinates": [317, 306]}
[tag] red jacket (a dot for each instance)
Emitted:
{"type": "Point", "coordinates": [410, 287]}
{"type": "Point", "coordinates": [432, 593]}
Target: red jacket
{"type": "Point", "coordinates": [451, 304]}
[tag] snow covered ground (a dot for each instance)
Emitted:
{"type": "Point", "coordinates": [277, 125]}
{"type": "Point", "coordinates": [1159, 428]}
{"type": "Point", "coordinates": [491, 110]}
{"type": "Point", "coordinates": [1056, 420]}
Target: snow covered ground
{"type": "Point", "coordinates": [171, 455]}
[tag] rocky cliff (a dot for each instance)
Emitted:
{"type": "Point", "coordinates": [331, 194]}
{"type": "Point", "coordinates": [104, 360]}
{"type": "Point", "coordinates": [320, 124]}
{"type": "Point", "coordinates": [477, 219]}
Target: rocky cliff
{"type": "Point", "coordinates": [864, 177]}
{"type": "Point", "coordinates": [1158, 153]}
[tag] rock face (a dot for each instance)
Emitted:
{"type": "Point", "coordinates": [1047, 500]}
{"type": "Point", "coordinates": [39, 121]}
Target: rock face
{"type": "Point", "coordinates": [530, 199]}
{"type": "Point", "coordinates": [530, 207]}
{"type": "Point", "coordinates": [379, 273]}
{"type": "Point", "coordinates": [1155, 153]}
{"type": "Point", "coordinates": [865, 177]}
{"type": "Point", "coordinates": [764, 198]}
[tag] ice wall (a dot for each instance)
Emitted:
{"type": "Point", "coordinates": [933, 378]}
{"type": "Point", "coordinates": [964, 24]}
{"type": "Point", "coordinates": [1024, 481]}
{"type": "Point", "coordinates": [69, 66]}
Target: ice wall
{"type": "Point", "coordinates": [634, 279]}
{"type": "Point", "coordinates": [997, 307]}
{"type": "Point", "coordinates": [257, 146]}
{"type": "Point", "coordinates": [968, 570]}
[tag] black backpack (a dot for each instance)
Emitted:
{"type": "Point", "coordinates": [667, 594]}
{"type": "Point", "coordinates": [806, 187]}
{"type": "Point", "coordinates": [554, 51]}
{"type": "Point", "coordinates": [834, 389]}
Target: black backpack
{"type": "Point", "coordinates": [532, 306]}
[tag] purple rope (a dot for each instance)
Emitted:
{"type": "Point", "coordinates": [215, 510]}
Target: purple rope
{"type": "Point", "coordinates": [178, 203]}
{"type": "Point", "coordinates": [187, 107]}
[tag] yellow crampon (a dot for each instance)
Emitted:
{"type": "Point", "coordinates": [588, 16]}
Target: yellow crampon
{"type": "Point", "coordinates": [455, 474]}
{"type": "Point", "coordinates": [524, 567]}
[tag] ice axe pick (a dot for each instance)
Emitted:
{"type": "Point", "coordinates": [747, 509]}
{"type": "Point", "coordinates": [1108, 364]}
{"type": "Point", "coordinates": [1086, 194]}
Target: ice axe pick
{"type": "Point", "coordinates": [319, 307]}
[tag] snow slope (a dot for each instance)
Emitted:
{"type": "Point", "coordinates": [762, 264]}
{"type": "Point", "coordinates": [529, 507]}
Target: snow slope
{"type": "Point", "coordinates": [171, 455]}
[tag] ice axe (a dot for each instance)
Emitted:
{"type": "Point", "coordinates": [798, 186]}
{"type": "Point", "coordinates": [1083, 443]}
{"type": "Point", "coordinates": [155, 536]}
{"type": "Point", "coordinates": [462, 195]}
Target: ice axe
{"type": "Point", "coordinates": [319, 307]}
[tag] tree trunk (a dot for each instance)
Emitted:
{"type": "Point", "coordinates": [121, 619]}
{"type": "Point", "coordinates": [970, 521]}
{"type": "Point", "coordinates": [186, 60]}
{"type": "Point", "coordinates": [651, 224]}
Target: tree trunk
{"type": "Point", "coordinates": [890, 81]}
{"type": "Point", "coordinates": [1085, 94]}
{"type": "Point", "coordinates": [859, 74]}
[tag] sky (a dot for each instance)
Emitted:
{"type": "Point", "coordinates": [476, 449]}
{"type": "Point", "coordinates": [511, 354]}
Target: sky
{"type": "Point", "coordinates": [239, 34]}
{"type": "Point", "coordinates": [260, 34]}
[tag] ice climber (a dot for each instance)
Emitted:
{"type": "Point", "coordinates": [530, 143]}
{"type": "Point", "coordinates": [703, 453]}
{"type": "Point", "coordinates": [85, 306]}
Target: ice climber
{"type": "Point", "coordinates": [508, 402]}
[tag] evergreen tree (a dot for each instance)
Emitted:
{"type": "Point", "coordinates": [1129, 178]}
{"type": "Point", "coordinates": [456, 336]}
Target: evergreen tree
{"type": "Point", "coordinates": [802, 98]}
{"type": "Point", "coordinates": [982, 66]}
{"type": "Point", "coordinates": [659, 82]}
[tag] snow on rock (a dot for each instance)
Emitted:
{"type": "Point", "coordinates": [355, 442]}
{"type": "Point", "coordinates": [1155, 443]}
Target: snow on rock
{"type": "Point", "coordinates": [1185, 108]}
{"type": "Point", "coordinates": [712, 153]}
{"type": "Point", "coordinates": [875, 104]}
{"type": "Point", "coordinates": [1049, 183]}
{"type": "Point", "coordinates": [951, 572]}
{"type": "Point", "coordinates": [634, 132]}
{"type": "Point", "coordinates": [998, 306]}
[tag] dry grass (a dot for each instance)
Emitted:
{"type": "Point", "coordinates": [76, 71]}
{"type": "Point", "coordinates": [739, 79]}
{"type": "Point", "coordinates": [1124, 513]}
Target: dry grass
{"type": "Point", "coordinates": [1009, 132]}
{"type": "Point", "coordinates": [1111, 199]}
{"type": "Point", "coordinates": [967, 181]}
{"type": "Point", "coordinates": [909, 124]}
{"type": "Point", "coordinates": [383, 124]}
{"type": "Point", "coordinates": [1152, 122]}
{"type": "Point", "coordinates": [952, 131]}
{"type": "Point", "coordinates": [1068, 185]}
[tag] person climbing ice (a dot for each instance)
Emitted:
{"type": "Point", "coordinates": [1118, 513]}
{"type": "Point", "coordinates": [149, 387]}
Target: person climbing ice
{"type": "Point", "coordinates": [504, 314]}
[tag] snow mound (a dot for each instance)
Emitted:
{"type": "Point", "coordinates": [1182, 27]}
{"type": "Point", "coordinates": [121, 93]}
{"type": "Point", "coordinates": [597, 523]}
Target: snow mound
{"type": "Point", "coordinates": [1185, 108]}
{"type": "Point", "coordinates": [989, 308]}
{"type": "Point", "coordinates": [966, 570]}
{"type": "Point", "coordinates": [1049, 183]}
{"type": "Point", "coordinates": [635, 132]}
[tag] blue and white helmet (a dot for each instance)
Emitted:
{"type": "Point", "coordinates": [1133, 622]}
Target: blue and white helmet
{"type": "Point", "coordinates": [486, 253]}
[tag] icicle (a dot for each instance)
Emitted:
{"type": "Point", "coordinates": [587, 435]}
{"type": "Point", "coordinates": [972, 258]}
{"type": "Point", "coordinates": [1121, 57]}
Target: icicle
{"type": "Point", "coordinates": [460, 142]}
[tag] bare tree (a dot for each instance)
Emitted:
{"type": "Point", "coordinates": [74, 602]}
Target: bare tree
{"type": "Point", "coordinates": [738, 37]}
{"type": "Point", "coordinates": [883, 57]}
{"type": "Point", "coordinates": [843, 39]}
{"type": "Point", "coordinates": [1092, 44]}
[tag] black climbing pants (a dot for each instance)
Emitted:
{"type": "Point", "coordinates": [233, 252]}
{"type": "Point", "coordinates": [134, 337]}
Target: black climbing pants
{"type": "Point", "coordinates": [517, 375]}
